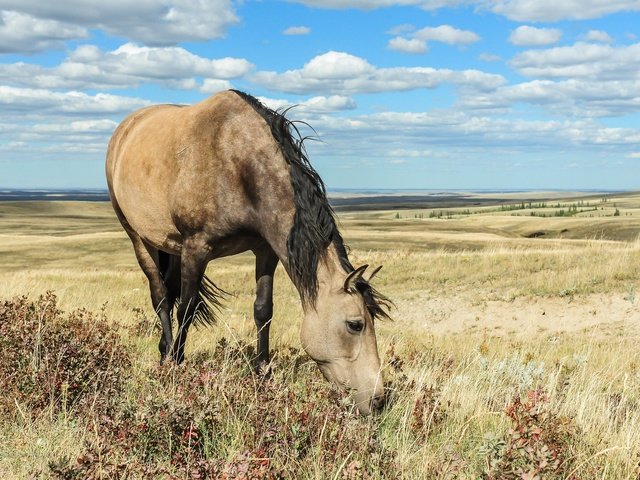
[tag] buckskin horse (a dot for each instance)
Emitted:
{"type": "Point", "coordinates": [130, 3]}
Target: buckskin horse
{"type": "Point", "coordinates": [193, 183]}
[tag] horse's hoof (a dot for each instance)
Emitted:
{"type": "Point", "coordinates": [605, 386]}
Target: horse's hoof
{"type": "Point", "coordinates": [263, 370]}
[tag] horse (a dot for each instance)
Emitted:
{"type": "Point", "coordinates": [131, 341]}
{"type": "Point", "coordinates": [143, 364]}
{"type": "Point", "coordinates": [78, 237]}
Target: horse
{"type": "Point", "coordinates": [224, 176]}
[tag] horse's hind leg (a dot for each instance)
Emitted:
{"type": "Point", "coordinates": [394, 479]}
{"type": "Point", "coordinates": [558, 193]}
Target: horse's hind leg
{"type": "Point", "coordinates": [169, 266]}
{"type": "Point", "coordinates": [266, 262]}
{"type": "Point", "coordinates": [192, 267]}
{"type": "Point", "coordinates": [149, 261]}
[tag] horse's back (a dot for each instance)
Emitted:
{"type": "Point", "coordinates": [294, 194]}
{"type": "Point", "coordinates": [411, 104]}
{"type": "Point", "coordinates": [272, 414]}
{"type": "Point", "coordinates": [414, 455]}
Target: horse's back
{"type": "Point", "coordinates": [173, 169]}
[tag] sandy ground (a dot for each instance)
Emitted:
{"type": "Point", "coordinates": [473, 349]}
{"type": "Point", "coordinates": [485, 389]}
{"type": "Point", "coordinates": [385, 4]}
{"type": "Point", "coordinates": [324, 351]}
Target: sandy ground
{"type": "Point", "coordinates": [598, 314]}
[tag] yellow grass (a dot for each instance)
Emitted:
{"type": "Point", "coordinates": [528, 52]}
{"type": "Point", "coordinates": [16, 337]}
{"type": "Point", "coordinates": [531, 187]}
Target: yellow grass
{"type": "Point", "coordinates": [484, 312]}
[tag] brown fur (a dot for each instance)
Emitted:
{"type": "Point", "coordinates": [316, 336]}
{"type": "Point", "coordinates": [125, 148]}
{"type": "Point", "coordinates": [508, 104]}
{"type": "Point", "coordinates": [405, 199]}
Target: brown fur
{"type": "Point", "coordinates": [190, 184]}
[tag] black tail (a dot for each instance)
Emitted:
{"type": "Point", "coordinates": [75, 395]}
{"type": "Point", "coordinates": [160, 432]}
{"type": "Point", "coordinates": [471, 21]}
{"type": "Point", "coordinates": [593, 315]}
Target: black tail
{"type": "Point", "coordinates": [209, 302]}
{"type": "Point", "coordinates": [209, 297]}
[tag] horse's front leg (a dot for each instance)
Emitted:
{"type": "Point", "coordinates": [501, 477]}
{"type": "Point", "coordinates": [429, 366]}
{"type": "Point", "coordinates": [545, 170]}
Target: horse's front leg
{"type": "Point", "coordinates": [266, 262]}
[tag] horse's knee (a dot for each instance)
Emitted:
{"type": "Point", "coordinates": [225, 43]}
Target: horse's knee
{"type": "Point", "coordinates": [262, 311]}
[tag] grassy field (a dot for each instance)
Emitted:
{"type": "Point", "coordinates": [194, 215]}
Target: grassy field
{"type": "Point", "coordinates": [513, 353]}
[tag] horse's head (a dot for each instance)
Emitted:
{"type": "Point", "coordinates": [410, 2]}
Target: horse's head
{"type": "Point", "coordinates": [339, 334]}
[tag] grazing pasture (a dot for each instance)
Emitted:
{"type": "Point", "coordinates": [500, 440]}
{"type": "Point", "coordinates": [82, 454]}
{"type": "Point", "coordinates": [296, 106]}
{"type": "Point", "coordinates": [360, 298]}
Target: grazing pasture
{"type": "Point", "coordinates": [513, 352]}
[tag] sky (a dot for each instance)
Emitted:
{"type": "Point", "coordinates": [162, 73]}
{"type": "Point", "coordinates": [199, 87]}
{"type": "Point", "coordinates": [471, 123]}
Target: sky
{"type": "Point", "coordinates": [406, 94]}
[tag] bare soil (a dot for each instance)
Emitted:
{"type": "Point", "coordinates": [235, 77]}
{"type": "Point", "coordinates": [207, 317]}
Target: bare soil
{"type": "Point", "coordinates": [600, 315]}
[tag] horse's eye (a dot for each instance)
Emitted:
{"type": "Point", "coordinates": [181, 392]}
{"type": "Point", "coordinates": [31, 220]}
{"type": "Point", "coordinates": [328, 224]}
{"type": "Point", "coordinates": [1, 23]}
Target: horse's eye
{"type": "Point", "coordinates": [355, 326]}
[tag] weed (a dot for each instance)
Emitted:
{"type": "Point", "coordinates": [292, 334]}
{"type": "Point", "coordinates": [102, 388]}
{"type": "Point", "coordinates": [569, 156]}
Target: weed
{"type": "Point", "coordinates": [631, 293]}
{"type": "Point", "coordinates": [538, 445]}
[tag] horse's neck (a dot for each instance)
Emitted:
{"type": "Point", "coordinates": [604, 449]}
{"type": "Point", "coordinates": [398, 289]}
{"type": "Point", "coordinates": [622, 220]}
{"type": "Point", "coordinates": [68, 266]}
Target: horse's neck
{"type": "Point", "coordinates": [330, 274]}
{"type": "Point", "coordinates": [330, 270]}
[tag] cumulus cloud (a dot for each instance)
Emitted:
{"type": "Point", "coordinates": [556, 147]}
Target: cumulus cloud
{"type": "Point", "coordinates": [384, 134]}
{"type": "Point", "coordinates": [313, 105]}
{"type": "Point", "coordinates": [153, 22]}
{"type": "Point", "coordinates": [213, 85]}
{"type": "Point", "coordinates": [598, 36]}
{"type": "Point", "coordinates": [581, 60]}
{"type": "Point", "coordinates": [567, 98]}
{"type": "Point", "coordinates": [520, 10]}
{"type": "Point", "coordinates": [337, 66]}
{"type": "Point", "coordinates": [361, 4]}
{"type": "Point", "coordinates": [42, 101]}
{"type": "Point", "coordinates": [333, 103]}
{"type": "Point", "coordinates": [407, 45]}
{"type": "Point", "coordinates": [79, 126]}
{"type": "Point", "coordinates": [447, 34]}
{"type": "Point", "coordinates": [553, 10]}
{"type": "Point", "coordinates": [489, 57]}
{"type": "Point", "coordinates": [525, 35]}
{"type": "Point", "coordinates": [297, 31]}
{"type": "Point", "coordinates": [343, 73]}
{"type": "Point", "coordinates": [443, 33]}
{"type": "Point", "coordinates": [20, 33]}
{"type": "Point", "coordinates": [127, 66]}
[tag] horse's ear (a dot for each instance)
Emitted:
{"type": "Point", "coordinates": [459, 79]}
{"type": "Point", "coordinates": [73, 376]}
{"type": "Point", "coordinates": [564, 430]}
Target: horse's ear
{"type": "Point", "coordinates": [352, 279]}
{"type": "Point", "coordinates": [374, 273]}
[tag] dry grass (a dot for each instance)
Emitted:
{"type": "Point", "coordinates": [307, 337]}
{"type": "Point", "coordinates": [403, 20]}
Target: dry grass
{"type": "Point", "coordinates": [484, 315]}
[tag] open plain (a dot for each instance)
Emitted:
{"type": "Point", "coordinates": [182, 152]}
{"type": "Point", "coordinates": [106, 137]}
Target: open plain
{"type": "Point", "coordinates": [513, 351]}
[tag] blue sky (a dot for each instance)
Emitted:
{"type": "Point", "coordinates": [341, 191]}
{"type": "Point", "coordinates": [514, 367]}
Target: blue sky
{"type": "Point", "coordinates": [429, 94]}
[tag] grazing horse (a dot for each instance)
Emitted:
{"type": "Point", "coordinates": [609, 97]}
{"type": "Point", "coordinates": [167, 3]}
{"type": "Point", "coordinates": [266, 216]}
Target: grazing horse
{"type": "Point", "coordinates": [228, 175]}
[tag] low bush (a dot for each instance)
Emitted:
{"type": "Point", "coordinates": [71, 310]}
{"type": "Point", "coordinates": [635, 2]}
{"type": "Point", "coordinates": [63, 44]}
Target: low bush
{"type": "Point", "coordinates": [537, 446]}
{"type": "Point", "coordinates": [213, 418]}
{"type": "Point", "coordinates": [54, 362]}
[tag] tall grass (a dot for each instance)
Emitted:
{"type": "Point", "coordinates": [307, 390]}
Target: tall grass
{"type": "Point", "coordinates": [464, 403]}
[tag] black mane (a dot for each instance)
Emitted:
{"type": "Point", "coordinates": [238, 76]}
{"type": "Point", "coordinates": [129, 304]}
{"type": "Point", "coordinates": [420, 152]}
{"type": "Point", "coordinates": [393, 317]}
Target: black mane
{"type": "Point", "coordinates": [314, 226]}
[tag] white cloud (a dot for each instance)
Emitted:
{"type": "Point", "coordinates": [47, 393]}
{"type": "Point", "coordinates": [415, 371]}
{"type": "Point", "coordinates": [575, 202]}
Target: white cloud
{"type": "Point", "coordinates": [532, 36]}
{"type": "Point", "coordinates": [400, 29]}
{"type": "Point", "coordinates": [169, 62]}
{"type": "Point", "coordinates": [489, 57]}
{"type": "Point", "coordinates": [128, 66]}
{"type": "Point", "coordinates": [342, 73]}
{"type": "Point", "coordinates": [392, 134]}
{"type": "Point", "coordinates": [443, 33]}
{"type": "Point", "coordinates": [634, 155]}
{"type": "Point", "coordinates": [408, 45]}
{"type": "Point", "coordinates": [313, 105]}
{"type": "Point", "coordinates": [520, 10]}
{"type": "Point", "coordinates": [297, 31]}
{"type": "Point", "coordinates": [447, 34]}
{"type": "Point", "coordinates": [336, 66]}
{"type": "Point", "coordinates": [20, 33]}
{"type": "Point", "coordinates": [213, 85]}
{"type": "Point", "coordinates": [581, 98]}
{"type": "Point", "coordinates": [153, 22]}
{"type": "Point", "coordinates": [408, 153]}
{"type": "Point", "coordinates": [41, 101]}
{"type": "Point", "coordinates": [79, 126]}
{"type": "Point", "coordinates": [598, 36]}
{"type": "Point", "coordinates": [581, 60]}
{"type": "Point", "coordinates": [554, 10]}
{"type": "Point", "coordinates": [333, 103]}
{"type": "Point", "coordinates": [360, 4]}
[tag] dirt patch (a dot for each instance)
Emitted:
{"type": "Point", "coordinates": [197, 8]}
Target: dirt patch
{"type": "Point", "coordinates": [598, 314]}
